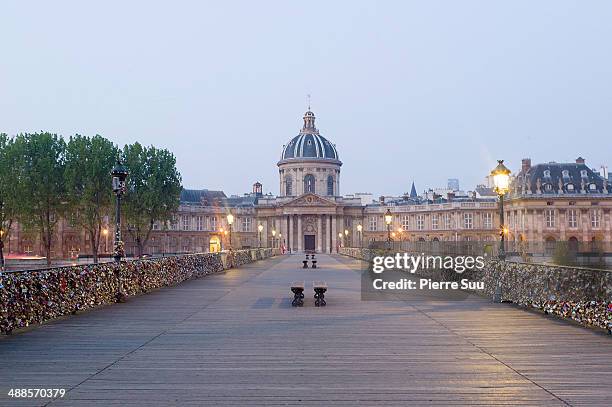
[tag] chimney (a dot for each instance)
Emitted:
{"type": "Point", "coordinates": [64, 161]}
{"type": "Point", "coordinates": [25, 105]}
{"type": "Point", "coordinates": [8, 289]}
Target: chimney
{"type": "Point", "coordinates": [382, 200]}
{"type": "Point", "coordinates": [257, 189]}
{"type": "Point", "coordinates": [579, 160]}
{"type": "Point", "coordinates": [526, 164]}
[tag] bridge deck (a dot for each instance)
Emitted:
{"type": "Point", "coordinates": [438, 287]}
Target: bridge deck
{"type": "Point", "coordinates": [234, 339]}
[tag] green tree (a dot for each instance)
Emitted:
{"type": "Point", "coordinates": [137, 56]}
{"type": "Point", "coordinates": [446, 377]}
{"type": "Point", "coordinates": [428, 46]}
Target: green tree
{"type": "Point", "coordinates": [42, 193]}
{"type": "Point", "coordinates": [153, 190]}
{"type": "Point", "coordinates": [9, 187]}
{"type": "Point", "coordinates": [89, 162]}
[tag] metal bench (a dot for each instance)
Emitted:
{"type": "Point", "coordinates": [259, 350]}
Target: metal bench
{"type": "Point", "coordinates": [297, 288]}
{"type": "Point", "coordinates": [320, 287]}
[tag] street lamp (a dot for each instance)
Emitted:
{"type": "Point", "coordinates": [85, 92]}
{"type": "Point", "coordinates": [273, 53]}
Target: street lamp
{"type": "Point", "coordinates": [340, 239]}
{"type": "Point", "coordinates": [230, 222]}
{"type": "Point", "coordinates": [273, 237]}
{"type": "Point", "coordinates": [388, 221]}
{"type": "Point", "coordinates": [1, 250]}
{"type": "Point", "coordinates": [346, 241]}
{"type": "Point", "coordinates": [359, 230]}
{"type": "Point", "coordinates": [119, 175]}
{"type": "Point", "coordinates": [501, 182]}
{"type": "Point", "coordinates": [105, 233]}
{"type": "Point", "coordinates": [260, 229]}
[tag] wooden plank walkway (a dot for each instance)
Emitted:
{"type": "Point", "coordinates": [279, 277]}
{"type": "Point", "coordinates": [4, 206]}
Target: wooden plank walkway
{"type": "Point", "coordinates": [234, 339]}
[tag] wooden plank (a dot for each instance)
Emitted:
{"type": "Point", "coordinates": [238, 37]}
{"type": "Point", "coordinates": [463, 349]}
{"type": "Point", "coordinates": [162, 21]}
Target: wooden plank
{"type": "Point", "coordinates": [223, 340]}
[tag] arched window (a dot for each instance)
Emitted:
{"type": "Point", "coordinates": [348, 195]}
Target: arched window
{"type": "Point", "coordinates": [309, 183]}
{"type": "Point", "coordinates": [330, 186]}
{"type": "Point", "coordinates": [288, 186]}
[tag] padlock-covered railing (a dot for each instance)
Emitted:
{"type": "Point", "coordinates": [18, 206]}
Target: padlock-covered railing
{"type": "Point", "coordinates": [35, 296]}
{"type": "Point", "coordinates": [580, 294]}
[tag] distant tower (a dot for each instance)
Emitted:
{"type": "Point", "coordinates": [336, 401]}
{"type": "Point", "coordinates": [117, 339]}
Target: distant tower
{"type": "Point", "coordinates": [413, 192]}
{"type": "Point", "coordinates": [258, 189]}
{"type": "Point", "coordinates": [453, 184]}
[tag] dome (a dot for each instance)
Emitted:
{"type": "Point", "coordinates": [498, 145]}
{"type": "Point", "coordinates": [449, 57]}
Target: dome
{"type": "Point", "coordinates": [309, 143]}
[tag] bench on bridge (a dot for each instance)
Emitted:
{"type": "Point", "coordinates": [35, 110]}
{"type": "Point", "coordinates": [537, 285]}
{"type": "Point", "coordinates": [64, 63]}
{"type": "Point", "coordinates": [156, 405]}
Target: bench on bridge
{"type": "Point", "coordinates": [320, 287]}
{"type": "Point", "coordinates": [313, 261]}
{"type": "Point", "coordinates": [297, 288]}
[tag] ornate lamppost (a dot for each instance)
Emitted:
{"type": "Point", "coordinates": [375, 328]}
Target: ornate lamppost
{"type": "Point", "coordinates": [119, 175]}
{"type": "Point", "coordinates": [105, 233]}
{"type": "Point", "coordinates": [260, 229]}
{"type": "Point", "coordinates": [340, 241]}
{"type": "Point", "coordinates": [273, 238]}
{"type": "Point", "coordinates": [230, 222]}
{"type": "Point", "coordinates": [346, 240]}
{"type": "Point", "coordinates": [388, 221]}
{"type": "Point", "coordinates": [360, 230]}
{"type": "Point", "coordinates": [501, 181]}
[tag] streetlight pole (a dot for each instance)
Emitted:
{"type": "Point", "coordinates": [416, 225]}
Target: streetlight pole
{"type": "Point", "coordinates": [501, 181]}
{"type": "Point", "coordinates": [360, 230]}
{"type": "Point", "coordinates": [341, 241]}
{"type": "Point", "coordinates": [273, 238]}
{"type": "Point", "coordinates": [119, 175]}
{"type": "Point", "coordinates": [230, 221]}
{"type": "Point", "coordinates": [388, 221]}
{"type": "Point", "coordinates": [260, 229]}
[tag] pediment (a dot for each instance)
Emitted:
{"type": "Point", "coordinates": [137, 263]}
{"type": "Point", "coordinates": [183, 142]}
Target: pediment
{"type": "Point", "coordinates": [310, 200]}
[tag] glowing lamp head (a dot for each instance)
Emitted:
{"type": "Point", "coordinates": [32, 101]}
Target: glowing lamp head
{"type": "Point", "coordinates": [273, 232]}
{"type": "Point", "coordinates": [388, 217]}
{"type": "Point", "coordinates": [501, 178]}
{"type": "Point", "coordinates": [346, 232]}
{"type": "Point", "coordinates": [359, 228]}
{"type": "Point", "coordinates": [230, 219]}
{"type": "Point", "coordinates": [260, 228]}
{"type": "Point", "coordinates": [340, 235]}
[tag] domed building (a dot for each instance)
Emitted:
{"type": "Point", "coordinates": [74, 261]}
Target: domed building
{"type": "Point", "coordinates": [309, 163]}
{"type": "Point", "coordinates": [309, 213]}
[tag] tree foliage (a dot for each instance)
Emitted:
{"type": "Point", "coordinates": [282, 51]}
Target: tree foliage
{"type": "Point", "coordinates": [153, 190]}
{"type": "Point", "coordinates": [9, 182]}
{"type": "Point", "coordinates": [89, 161]}
{"type": "Point", "coordinates": [40, 166]}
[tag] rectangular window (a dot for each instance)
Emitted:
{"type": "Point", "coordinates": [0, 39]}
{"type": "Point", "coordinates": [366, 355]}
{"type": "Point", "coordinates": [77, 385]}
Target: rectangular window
{"type": "Point", "coordinates": [434, 221]}
{"type": "Point", "coordinates": [185, 222]}
{"type": "Point", "coordinates": [488, 220]}
{"type": "Point", "coordinates": [420, 222]}
{"type": "Point", "coordinates": [405, 221]}
{"type": "Point", "coordinates": [213, 223]}
{"type": "Point", "coordinates": [174, 223]}
{"type": "Point", "coordinates": [246, 224]}
{"type": "Point", "coordinates": [200, 223]}
{"type": "Point", "coordinates": [468, 220]}
{"type": "Point", "coordinates": [373, 223]}
{"type": "Point", "coordinates": [595, 218]}
{"type": "Point", "coordinates": [549, 218]}
{"type": "Point", "coordinates": [447, 221]}
{"type": "Point", "coordinates": [572, 218]}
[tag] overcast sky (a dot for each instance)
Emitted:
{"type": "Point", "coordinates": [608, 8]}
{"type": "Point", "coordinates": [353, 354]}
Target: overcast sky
{"type": "Point", "coordinates": [423, 90]}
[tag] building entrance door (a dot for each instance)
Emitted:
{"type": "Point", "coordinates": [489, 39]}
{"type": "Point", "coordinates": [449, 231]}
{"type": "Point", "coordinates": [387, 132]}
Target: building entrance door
{"type": "Point", "coordinates": [309, 243]}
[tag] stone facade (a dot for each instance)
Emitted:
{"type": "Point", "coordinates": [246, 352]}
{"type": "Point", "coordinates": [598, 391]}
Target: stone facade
{"type": "Point", "coordinates": [547, 202]}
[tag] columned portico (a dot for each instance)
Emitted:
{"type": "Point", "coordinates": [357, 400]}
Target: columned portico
{"type": "Point", "coordinates": [319, 234]}
{"type": "Point", "coordinates": [300, 233]}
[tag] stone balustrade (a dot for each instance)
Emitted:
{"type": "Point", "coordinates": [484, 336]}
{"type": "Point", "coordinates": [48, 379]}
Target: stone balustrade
{"type": "Point", "coordinates": [579, 294]}
{"type": "Point", "coordinates": [36, 296]}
